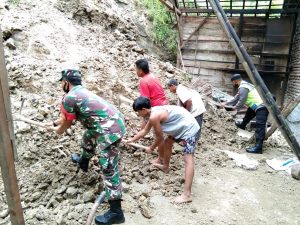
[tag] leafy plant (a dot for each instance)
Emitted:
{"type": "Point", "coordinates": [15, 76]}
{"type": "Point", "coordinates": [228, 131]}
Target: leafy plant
{"type": "Point", "coordinates": [163, 32]}
{"type": "Point", "coordinates": [16, 2]}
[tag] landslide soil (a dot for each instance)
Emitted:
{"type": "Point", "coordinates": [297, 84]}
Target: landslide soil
{"type": "Point", "coordinates": [103, 39]}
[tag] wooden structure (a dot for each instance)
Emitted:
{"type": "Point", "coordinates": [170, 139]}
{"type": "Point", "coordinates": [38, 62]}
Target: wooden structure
{"type": "Point", "coordinates": [242, 56]}
{"type": "Point", "coordinates": [266, 29]}
{"type": "Point", "coordinates": [6, 148]}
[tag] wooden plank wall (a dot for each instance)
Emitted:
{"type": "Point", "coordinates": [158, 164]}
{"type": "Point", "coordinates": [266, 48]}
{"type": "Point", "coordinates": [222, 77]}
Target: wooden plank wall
{"type": "Point", "coordinates": [208, 54]}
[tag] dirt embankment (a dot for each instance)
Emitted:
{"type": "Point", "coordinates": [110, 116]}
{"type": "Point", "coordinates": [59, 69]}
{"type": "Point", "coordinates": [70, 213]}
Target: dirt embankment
{"type": "Point", "coordinates": [103, 40]}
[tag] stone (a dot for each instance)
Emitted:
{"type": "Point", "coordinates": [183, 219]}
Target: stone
{"type": "Point", "coordinates": [35, 196]}
{"type": "Point", "coordinates": [169, 67]}
{"type": "Point", "coordinates": [10, 43]}
{"type": "Point", "coordinates": [296, 171]}
{"type": "Point", "coordinates": [194, 210]}
{"type": "Point", "coordinates": [4, 213]}
{"type": "Point", "coordinates": [138, 50]}
{"type": "Point", "coordinates": [62, 189]}
{"type": "Point", "coordinates": [88, 196]}
{"type": "Point", "coordinates": [145, 212]}
{"type": "Point", "coordinates": [71, 192]}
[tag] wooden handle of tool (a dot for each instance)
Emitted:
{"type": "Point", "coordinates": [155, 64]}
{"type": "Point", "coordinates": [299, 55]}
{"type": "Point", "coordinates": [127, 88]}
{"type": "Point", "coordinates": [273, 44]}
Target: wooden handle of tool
{"type": "Point", "coordinates": [135, 145]}
{"type": "Point", "coordinates": [98, 201]}
{"type": "Point", "coordinates": [125, 100]}
{"type": "Point", "coordinates": [23, 119]}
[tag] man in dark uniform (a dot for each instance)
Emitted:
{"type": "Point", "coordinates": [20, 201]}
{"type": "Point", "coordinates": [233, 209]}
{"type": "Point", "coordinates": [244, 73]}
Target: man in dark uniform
{"type": "Point", "coordinates": [248, 95]}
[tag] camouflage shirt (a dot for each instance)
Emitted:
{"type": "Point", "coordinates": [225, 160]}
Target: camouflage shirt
{"type": "Point", "coordinates": [94, 113]}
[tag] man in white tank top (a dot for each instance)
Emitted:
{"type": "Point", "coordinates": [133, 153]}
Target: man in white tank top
{"type": "Point", "coordinates": [180, 126]}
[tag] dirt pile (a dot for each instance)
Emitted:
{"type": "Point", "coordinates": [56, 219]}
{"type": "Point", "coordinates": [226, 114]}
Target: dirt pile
{"type": "Point", "coordinates": [103, 39]}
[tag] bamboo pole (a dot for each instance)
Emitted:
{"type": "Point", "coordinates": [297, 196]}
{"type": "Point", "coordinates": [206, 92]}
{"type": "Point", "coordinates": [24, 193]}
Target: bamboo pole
{"type": "Point", "coordinates": [6, 150]}
{"type": "Point", "coordinates": [98, 201]}
{"type": "Point", "coordinates": [255, 77]}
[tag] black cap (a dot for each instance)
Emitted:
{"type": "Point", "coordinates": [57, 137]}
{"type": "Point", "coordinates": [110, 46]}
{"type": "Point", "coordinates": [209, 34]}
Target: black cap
{"type": "Point", "coordinates": [172, 82]}
{"type": "Point", "coordinates": [236, 77]}
{"type": "Point", "coordinates": [70, 75]}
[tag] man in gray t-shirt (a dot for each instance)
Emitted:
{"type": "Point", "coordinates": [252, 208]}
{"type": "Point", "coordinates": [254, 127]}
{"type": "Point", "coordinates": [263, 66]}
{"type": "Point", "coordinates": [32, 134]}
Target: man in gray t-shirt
{"type": "Point", "coordinates": [180, 126]}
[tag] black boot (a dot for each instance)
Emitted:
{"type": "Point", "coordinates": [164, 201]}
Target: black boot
{"type": "Point", "coordinates": [256, 149]}
{"type": "Point", "coordinates": [113, 216]}
{"type": "Point", "coordinates": [81, 161]}
{"type": "Point", "coordinates": [240, 125]}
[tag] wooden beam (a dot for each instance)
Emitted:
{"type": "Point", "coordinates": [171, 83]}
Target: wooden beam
{"type": "Point", "coordinates": [286, 112]}
{"type": "Point", "coordinates": [170, 6]}
{"type": "Point", "coordinates": [240, 11]}
{"type": "Point", "coordinates": [197, 28]}
{"type": "Point", "coordinates": [176, 4]}
{"type": "Point", "coordinates": [6, 151]}
{"type": "Point", "coordinates": [240, 31]}
{"type": "Point", "coordinates": [179, 27]}
{"type": "Point", "coordinates": [256, 79]}
{"type": "Point", "coordinates": [256, 6]}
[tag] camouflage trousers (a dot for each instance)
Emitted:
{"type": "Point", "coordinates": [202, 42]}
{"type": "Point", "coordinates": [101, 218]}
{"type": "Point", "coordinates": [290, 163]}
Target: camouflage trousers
{"type": "Point", "coordinates": [108, 159]}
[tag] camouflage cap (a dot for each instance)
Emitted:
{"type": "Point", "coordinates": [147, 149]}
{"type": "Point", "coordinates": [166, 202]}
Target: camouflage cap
{"type": "Point", "coordinates": [70, 75]}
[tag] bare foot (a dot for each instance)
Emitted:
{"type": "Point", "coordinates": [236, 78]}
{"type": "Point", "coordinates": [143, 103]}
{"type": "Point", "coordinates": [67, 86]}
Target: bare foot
{"type": "Point", "coordinates": [162, 167]}
{"type": "Point", "coordinates": [183, 199]}
{"type": "Point", "coordinates": [157, 161]}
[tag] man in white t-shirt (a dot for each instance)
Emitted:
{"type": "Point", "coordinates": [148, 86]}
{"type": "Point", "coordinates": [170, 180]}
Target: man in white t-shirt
{"type": "Point", "coordinates": [190, 99]}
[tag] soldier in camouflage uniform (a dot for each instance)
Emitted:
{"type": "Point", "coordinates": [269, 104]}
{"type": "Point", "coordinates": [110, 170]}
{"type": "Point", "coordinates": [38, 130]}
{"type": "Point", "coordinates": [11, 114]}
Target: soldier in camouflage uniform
{"type": "Point", "coordinates": [105, 129]}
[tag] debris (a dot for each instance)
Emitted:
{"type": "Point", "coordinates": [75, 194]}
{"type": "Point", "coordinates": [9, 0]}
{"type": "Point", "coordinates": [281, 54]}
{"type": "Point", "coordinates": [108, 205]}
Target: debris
{"type": "Point", "coordinates": [10, 43]}
{"type": "Point", "coordinates": [277, 164]}
{"type": "Point", "coordinates": [296, 171]}
{"type": "Point", "coordinates": [4, 213]}
{"type": "Point", "coordinates": [145, 211]}
{"type": "Point", "coordinates": [245, 135]}
{"type": "Point", "coordinates": [243, 161]}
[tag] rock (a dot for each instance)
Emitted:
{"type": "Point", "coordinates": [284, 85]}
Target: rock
{"type": "Point", "coordinates": [10, 43]}
{"type": "Point", "coordinates": [296, 171]}
{"type": "Point", "coordinates": [138, 50]}
{"type": "Point", "coordinates": [22, 127]}
{"type": "Point", "coordinates": [142, 198]}
{"type": "Point", "coordinates": [62, 189]}
{"type": "Point", "coordinates": [4, 213]}
{"type": "Point", "coordinates": [35, 196]}
{"type": "Point", "coordinates": [40, 48]}
{"type": "Point", "coordinates": [125, 187]}
{"type": "Point", "coordinates": [71, 192]}
{"type": "Point", "coordinates": [145, 212]}
{"type": "Point", "coordinates": [194, 210]}
{"type": "Point", "coordinates": [41, 214]}
{"type": "Point", "coordinates": [169, 67]}
{"type": "Point", "coordinates": [88, 196]}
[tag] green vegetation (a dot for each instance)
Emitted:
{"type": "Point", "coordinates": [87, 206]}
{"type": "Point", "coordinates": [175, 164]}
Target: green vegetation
{"type": "Point", "coordinates": [164, 34]}
{"type": "Point", "coordinates": [16, 2]}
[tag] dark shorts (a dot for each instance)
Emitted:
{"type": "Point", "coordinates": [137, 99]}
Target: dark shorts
{"type": "Point", "coordinates": [199, 121]}
{"type": "Point", "coordinates": [190, 144]}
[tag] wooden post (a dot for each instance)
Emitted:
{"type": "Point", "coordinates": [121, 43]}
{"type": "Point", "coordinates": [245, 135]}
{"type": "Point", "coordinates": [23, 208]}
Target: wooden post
{"type": "Point", "coordinates": [286, 112]}
{"type": "Point", "coordinates": [5, 91]}
{"type": "Point", "coordinates": [6, 151]}
{"type": "Point", "coordinates": [170, 6]}
{"type": "Point", "coordinates": [253, 74]}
